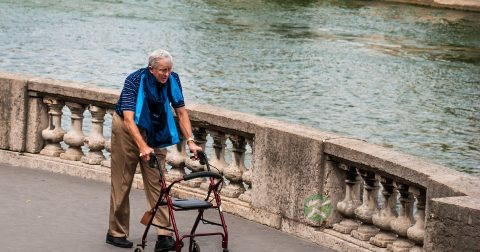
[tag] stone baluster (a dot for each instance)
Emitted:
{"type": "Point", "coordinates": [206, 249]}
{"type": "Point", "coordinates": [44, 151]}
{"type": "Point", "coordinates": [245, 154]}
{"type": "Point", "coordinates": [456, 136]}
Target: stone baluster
{"type": "Point", "coordinates": [218, 158]}
{"type": "Point", "coordinates": [247, 179]}
{"type": "Point", "coordinates": [176, 158]}
{"type": "Point", "coordinates": [347, 206]}
{"type": "Point", "coordinates": [388, 213]}
{"type": "Point", "coordinates": [234, 171]}
{"type": "Point", "coordinates": [200, 135]}
{"type": "Point", "coordinates": [403, 222]}
{"type": "Point", "coordinates": [417, 232]}
{"type": "Point", "coordinates": [53, 135]}
{"type": "Point", "coordinates": [369, 207]}
{"type": "Point", "coordinates": [75, 137]}
{"type": "Point", "coordinates": [95, 141]}
{"type": "Point", "coordinates": [108, 144]}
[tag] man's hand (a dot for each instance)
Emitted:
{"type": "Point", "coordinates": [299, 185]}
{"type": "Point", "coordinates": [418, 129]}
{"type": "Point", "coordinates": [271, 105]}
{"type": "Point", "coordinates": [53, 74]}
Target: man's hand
{"type": "Point", "coordinates": [145, 150]}
{"type": "Point", "coordinates": [145, 153]}
{"type": "Point", "coordinates": [193, 149]}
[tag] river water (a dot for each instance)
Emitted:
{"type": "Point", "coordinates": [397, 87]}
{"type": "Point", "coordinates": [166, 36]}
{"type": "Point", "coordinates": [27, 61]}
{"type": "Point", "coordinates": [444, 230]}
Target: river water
{"type": "Point", "coordinates": [405, 77]}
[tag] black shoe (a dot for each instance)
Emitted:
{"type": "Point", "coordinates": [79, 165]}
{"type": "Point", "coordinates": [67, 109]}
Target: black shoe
{"type": "Point", "coordinates": [121, 242]}
{"type": "Point", "coordinates": [164, 243]}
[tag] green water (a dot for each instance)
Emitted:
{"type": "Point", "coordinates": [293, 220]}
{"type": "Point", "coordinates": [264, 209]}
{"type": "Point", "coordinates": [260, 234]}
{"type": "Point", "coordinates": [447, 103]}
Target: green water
{"type": "Point", "coordinates": [401, 76]}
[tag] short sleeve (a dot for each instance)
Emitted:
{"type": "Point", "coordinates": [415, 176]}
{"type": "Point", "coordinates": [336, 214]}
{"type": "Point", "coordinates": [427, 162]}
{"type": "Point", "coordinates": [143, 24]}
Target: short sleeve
{"type": "Point", "coordinates": [175, 92]}
{"type": "Point", "coordinates": [128, 98]}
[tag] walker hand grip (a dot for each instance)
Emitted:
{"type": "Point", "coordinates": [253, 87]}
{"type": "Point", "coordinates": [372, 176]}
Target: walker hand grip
{"type": "Point", "coordinates": [203, 174]}
{"type": "Point", "coordinates": [202, 157]}
{"type": "Point", "coordinates": [153, 163]}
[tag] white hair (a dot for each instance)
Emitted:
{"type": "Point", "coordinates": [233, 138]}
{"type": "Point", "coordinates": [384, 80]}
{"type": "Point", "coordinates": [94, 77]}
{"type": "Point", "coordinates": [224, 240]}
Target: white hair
{"type": "Point", "coordinates": [157, 55]}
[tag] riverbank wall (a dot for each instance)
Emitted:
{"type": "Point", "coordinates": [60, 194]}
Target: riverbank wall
{"type": "Point", "coordinates": [381, 200]}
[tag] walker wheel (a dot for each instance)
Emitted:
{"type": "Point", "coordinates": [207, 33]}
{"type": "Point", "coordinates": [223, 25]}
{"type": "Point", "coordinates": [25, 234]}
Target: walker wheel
{"type": "Point", "coordinates": [196, 247]}
{"type": "Point", "coordinates": [138, 250]}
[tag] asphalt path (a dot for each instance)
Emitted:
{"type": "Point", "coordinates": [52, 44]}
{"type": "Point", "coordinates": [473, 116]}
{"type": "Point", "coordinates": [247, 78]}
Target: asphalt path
{"type": "Point", "coordinates": [45, 211]}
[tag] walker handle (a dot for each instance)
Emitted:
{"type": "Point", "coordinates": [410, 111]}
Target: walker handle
{"type": "Point", "coordinates": [153, 163]}
{"type": "Point", "coordinates": [202, 157]}
{"type": "Point", "coordinates": [203, 174]}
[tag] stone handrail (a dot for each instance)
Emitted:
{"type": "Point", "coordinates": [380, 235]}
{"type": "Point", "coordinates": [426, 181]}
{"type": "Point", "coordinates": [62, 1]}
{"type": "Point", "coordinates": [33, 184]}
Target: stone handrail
{"type": "Point", "coordinates": [289, 163]}
{"type": "Point", "coordinates": [392, 224]}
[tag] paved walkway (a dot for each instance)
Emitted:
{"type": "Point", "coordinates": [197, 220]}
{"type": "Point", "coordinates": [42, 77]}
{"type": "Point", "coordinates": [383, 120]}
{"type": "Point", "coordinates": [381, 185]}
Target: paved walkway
{"type": "Point", "coordinates": [43, 211]}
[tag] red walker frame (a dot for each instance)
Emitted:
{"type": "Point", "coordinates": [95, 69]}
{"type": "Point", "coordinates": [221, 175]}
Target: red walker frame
{"type": "Point", "coordinates": [186, 205]}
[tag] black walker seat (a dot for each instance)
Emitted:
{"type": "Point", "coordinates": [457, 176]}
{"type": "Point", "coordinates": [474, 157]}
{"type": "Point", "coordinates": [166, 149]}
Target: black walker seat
{"type": "Point", "coordinates": [188, 204]}
{"type": "Point", "coordinates": [175, 204]}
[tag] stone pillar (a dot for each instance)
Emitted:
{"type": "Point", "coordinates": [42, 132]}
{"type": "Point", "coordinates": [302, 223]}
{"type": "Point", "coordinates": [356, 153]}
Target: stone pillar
{"type": "Point", "coordinates": [218, 158]}
{"type": "Point", "coordinates": [13, 112]}
{"type": "Point", "coordinates": [37, 121]}
{"type": "Point", "coordinates": [108, 148]}
{"type": "Point", "coordinates": [417, 232]}
{"type": "Point", "coordinates": [404, 221]}
{"type": "Point", "coordinates": [247, 179]}
{"type": "Point", "coordinates": [368, 208]}
{"type": "Point", "coordinates": [333, 188]}
{"type": "Point", "coordinates": [74, 138]}
{"type": "Point", "coordinates": [176, 158]}
{"type": "Point", "coordinates": [234, 172]}
{"type": "Point", "coordinates": [96, 141]}
{"type": "Point", "coordinates": [200, 135]}
{"type": "Point", "coordinates": [347, 206]}
{"type": "Point", "coordinates": [388, 213]}
{"type": "Point", "coordinates": [452, 222]}
{"type": "Point", "coordinates": [53, 135]}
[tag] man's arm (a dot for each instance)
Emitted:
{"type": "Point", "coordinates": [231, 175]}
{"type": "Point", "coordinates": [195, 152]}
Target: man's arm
{"type": "Point", "coordinates": [186, 128]}
{"type": "Point", "coordinates": [145, 150]}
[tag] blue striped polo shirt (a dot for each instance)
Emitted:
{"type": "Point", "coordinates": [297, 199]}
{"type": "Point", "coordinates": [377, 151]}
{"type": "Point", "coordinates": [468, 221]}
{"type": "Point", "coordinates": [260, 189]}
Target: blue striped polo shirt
{"type": "Point", "coordinates": [128, 97]}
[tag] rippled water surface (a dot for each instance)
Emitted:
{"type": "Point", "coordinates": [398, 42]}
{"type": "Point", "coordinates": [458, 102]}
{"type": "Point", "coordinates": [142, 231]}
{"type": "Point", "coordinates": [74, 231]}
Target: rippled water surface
{"type": "Point", "coordinates": [401, 76]}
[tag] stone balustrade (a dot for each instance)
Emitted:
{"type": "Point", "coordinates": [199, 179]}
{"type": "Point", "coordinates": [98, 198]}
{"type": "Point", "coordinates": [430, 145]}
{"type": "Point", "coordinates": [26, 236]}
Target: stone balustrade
{"type": "Point", "coordinates": [382, 200]}
{"type": "Point", "coordinates": [178, 159]}
{"type": "Point", "coordinates": [381, 225]}
{"type": "Point", "coordinates": [383, 205]}
{"type": "Point", "coordinates": [75, 138]}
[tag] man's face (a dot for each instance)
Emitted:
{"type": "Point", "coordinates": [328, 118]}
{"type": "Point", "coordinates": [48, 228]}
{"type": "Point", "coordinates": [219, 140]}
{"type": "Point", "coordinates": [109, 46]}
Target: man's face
{"type": "Point", "coordinates": [162, 71]}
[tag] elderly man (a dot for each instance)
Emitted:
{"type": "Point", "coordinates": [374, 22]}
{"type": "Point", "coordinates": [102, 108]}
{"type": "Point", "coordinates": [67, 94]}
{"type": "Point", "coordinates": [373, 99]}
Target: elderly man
{"type": "Point", "coordinates": [143, 123]}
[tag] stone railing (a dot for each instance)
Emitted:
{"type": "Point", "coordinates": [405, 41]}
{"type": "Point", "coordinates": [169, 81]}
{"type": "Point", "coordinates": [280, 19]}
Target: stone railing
{"type": "Point", "coordinates": [390, 224]}
{"type": "Point", "coordinates": [407, 188]}
{"type": "Point", "coordinates": [44, 102]}
{"type": "Point", "coordinates": [382, 200]}
{"type": "Point", "coordinates": [236, 172]}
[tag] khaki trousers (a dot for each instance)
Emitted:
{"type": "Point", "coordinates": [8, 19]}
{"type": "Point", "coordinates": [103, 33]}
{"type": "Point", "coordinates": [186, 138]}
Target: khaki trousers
{"type": "Point", "coordinates": [124, 161]}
